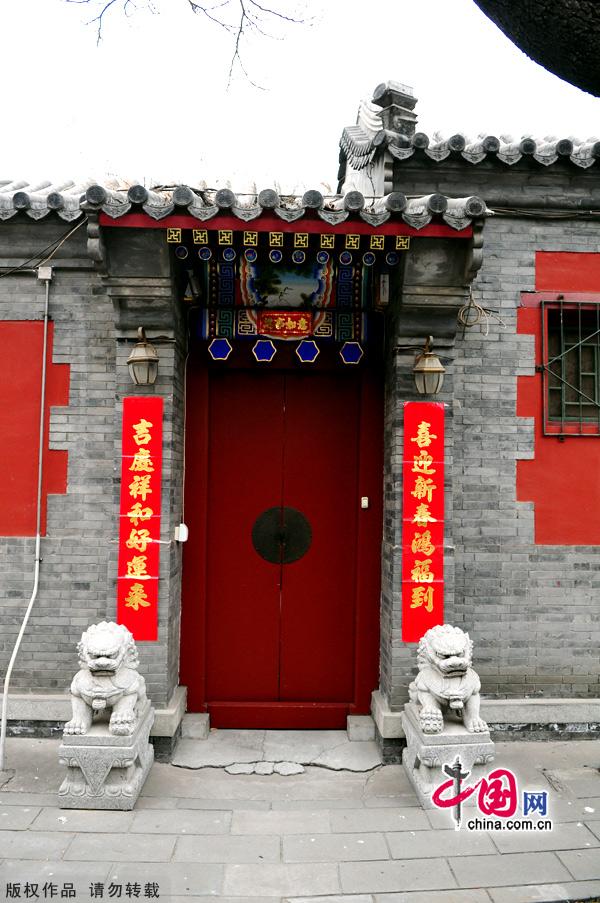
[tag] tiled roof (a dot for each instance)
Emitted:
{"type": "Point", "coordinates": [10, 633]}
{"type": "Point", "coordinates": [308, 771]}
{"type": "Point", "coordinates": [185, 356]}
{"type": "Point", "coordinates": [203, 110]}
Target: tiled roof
{"type": "Point", "coordinates": [68, 201]}
{"type": "Point", "coordinates": [360, 147]}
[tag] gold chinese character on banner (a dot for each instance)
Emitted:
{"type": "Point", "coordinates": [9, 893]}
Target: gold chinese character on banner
{"type": "Point", "coordinates": [140, 486]}
{"type": "Point", "coordinates": [142, 435]}
{"type": "Point", "coordinates": [327, 240]}
{"type": "Point", "coordinates": [422, 597]}
{"type": "Point", "coordinates": [276, 239]}
{"type": "Point", "coordinates": [421, 573]}
{"type": "Point", "coordinates": [137, 566]}
{"type": "Point", "coordinates": [402, 242]}
{"type": "Point", "coordinates": [377, 242]}
{"type": "Point", "coordinates": [251, 239]}
{"type": "Point", "coordinates": [173, 236]}
{"type": "Point", "coordinates": [225, 236]}
{"type": "Point", "coordinates": [200, 236]}
{"type": "Point", "coordinates": [142, 462]}
{"type": "Point", "coordinates": [352, 242]}
{"type": "Point", "coordinates": [423, 437]}
{"type": "Point", "coordinates": [301, 239]}
{"type": "Point", "coordinates": [136, 597]}
{"type": "Point", "coordinates": [423, 515]}
{"type": "Point", "coordinates": [138, 513]}
{"type": "Point", "coordinates": [422, 463]}
{"type": "Point", "coordinates": [423, 488]}
{"type": "Point", "coordinates": [421, 542]}
{"type": "Point", "coordinates": [138, 540]}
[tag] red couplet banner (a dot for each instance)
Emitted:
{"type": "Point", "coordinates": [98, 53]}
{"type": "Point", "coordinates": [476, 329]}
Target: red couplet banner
{"type": "Point", "coordinates": [139, 520]}
{"type": "Point", "coordinates": [422, 519]}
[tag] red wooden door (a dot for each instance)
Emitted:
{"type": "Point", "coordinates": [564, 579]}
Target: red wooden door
{"type": "Point", "coordinates": [286, 644]}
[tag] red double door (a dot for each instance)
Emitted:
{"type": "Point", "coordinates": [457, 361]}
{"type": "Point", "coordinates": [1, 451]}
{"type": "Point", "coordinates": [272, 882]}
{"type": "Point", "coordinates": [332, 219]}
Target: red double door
{"type": "Point", "coordinates": [287, 626]}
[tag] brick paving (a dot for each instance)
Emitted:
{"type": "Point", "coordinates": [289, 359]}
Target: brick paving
{"type": "Point", "coordinates": [323, 836]}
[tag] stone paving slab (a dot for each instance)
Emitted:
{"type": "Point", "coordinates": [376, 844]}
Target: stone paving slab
{"type": "Point", "coordinates": [17, 818]}
{"type": "Point", "coordinates": [426, 844]}
{"type": "Point", "coordinates": [584, 865]}
{"type": "Point", "coordinates": [174, 878]}
{"type": "Point", "coordinates": [334, 847]}
{"type": "Point", "coordinates": [221, 899]}
{"type": "Point", "coordinates": [584, 782]}
{"type": "Point", "coordinates": [280, 823]}
{"type": "Point", "coordinates": [314, 805]}
{"type": "Point", "coordinates": [187, 821]}
{"type": "Point", "coordinates": [386, 877]}
{"type": "Point", "coordinates": [441, 896]}
{"type": "Point", "coordinates": [215, 848]}
{"type": "Point", "coordinates": [75, 820]}
{"type": "Point", "coordinates": [229, 805]}
{"type": "Point", "coordinates": [121, 848]}
{"type": "Point", "coordinates": [316, 783]}
{"type": "Point", "coordinates": [345, 898]}
{"type": "Point", "coordinates": [33, 844]}
{"type": "Point", "coordinates": [594, 827]}
{"type": "Point", "coordinates": [549, 893]}
{"type": "Point", "coordinates": [571, 836]}
{"type": "Point", "coordinates": [16, 798]}
{"type": "Point", "coordinates": [42, 870]}
{"type": "Point", "coordinates": [370, 820]}
{"type": "Point", "coordinates": [510, 868]}
{"type": "Point", "coordinates": [314, 879]}
{"type": "Point", "coordinates": [400, 801]}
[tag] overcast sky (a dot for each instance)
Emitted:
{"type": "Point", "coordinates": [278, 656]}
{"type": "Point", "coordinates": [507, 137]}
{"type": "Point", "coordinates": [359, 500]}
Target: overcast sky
{"type": "Point", "coordinates": [151, 102]}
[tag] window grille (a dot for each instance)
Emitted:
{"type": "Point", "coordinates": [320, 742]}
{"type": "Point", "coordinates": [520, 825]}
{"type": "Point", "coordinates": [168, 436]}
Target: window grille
{"type": "Point", "coordinates": [571, 368]}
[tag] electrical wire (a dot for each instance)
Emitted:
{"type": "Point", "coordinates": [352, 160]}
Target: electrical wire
{"type": "Point", "coordinates": [473, 314]}
{"type": "Point", "coordinates": [55, 245]}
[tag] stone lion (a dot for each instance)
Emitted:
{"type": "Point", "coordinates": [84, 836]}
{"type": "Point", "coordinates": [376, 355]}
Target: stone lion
{"type": "Point", "coordinates": [446, 680]}
{"type": "Point", "coordinates": [108, 679]}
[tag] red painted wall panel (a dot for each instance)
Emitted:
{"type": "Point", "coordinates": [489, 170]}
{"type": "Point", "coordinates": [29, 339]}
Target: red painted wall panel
{"type": "Point", "coordinates": [563, 479]}
{"type": "Point", "coordinates": [567, 271]}
{"type": "Point", "coordinates": [20, 394]}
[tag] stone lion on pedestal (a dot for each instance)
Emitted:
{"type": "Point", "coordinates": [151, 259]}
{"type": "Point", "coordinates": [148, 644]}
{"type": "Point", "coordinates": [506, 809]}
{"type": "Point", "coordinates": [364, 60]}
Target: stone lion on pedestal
{"type": "Point", "coordinates": [446, 680]}
{"type": "Point", "coordinates": [108, 679]}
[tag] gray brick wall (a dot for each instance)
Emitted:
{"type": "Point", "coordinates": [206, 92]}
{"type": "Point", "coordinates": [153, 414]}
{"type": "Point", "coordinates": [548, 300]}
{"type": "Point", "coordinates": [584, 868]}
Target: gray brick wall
{"type": "Point", "coordinates": [78, 572]}
{"type": "Point", "coordinates": [533, 611]}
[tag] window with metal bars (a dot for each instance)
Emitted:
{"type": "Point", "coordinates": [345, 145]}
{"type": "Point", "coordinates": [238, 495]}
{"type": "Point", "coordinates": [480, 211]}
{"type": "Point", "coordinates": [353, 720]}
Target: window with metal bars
{"type": "Point", "coordinates": [571, 368]}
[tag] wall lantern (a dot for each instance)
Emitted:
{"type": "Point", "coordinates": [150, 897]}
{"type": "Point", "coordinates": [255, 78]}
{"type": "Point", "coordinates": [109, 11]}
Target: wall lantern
{"type": "Point", "coordinates": [428, 371]}
{"type": "Point", "coordinates": [143, 361]}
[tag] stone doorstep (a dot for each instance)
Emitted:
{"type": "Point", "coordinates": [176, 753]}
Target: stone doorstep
{"type": "Point", "coordinates": [500, 711]}
{"type": "Point", "coordinates": [57, 707]}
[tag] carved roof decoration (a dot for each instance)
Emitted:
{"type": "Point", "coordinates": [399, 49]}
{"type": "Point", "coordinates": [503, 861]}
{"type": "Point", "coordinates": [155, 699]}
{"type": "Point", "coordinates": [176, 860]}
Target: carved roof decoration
{"type": "Point", "coordinates": [360, 147]}
{"type": "Point", "coordinates": [69, 201]}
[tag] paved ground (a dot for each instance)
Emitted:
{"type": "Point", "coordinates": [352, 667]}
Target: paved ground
{"type": "Point", "coordinates": [201, 834]}
{"type": "Point", "coordinates": [264, 751]}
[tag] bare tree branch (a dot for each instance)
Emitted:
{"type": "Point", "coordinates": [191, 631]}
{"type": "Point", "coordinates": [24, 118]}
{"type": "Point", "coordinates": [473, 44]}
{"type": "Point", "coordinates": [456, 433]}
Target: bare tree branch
{"type": "Point", "coordinates": [251, 17]}
{"type": "Point", "coordinates": [100, 17]}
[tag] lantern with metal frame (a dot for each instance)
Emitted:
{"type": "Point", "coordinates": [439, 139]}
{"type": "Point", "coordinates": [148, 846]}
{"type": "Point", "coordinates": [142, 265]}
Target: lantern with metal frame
{"type": "Point", "coordinates": [428, 371]}
{"type": "Point", "coordinates": [143, 361]}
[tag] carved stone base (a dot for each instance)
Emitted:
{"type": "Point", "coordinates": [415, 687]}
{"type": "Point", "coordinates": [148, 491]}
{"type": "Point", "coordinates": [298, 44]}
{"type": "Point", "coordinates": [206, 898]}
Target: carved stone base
{"type": "Point", "coordinates": [426, 754]}
{"type": "Point", "coordinates": [105, 771]}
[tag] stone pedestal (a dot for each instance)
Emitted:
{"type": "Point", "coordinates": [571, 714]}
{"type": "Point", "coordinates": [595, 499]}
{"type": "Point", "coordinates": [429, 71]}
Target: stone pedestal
{"type": "Point", "coordinates": [426, 754]}
{"type": "Point", "coordinates": [105, 771]}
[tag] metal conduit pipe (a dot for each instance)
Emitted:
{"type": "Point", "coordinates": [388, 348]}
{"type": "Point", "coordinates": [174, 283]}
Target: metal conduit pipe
{"type": "Point", "coordinates": [44, 274]}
